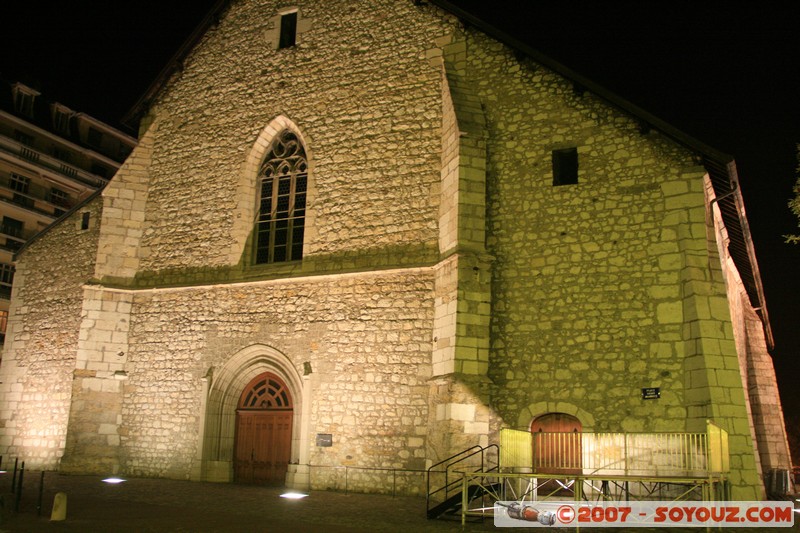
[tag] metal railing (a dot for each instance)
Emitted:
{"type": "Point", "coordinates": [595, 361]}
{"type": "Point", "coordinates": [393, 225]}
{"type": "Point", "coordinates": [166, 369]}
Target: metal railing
{"type": "Point", "coordinates": [586, 489]}
{"type": "Point", "coordinates": [473, 459]}
{"type": "Point", "coordinates": [16, 148]}
{"type": "Point", "coordinates": [617, 454]}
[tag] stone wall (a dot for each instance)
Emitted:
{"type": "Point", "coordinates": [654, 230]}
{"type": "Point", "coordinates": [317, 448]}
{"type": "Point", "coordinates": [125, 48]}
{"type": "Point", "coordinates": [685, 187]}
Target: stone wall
{"type": "Point", "coordinates": [366, 340]}
{"type": "Point", "coordinates": [755, 364]}
{"type": "Point", "coordinates": [447, 287]}
{"type": "Point", "coordinates": [600, 288]}
{"type": "Point", "coordinates": [586, 284]}
{"type": "Point", "coordinates": [372, 142]}
{"type": "Point", "coordinates": [36, 375]}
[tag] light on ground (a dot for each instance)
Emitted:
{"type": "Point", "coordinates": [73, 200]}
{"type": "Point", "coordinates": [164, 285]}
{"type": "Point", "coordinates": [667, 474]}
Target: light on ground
{"type": "Point", "coordinates": [113, 480]}
{"type": "Point", "coordinates": [293, 495]}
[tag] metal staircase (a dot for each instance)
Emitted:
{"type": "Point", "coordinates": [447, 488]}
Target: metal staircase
{"type": "Point", "coordinates": [445, 492]}
{"type": "Point", "coordinates": [580, 467]}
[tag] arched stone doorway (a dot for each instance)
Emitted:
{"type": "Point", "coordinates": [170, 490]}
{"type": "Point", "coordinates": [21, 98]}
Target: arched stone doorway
{"type": "Point", "coordinates": [226, 388]}
{"type": "Point", "coordinates": [557, 443]}
{"type": "Point", "coordinates": [263, 431]}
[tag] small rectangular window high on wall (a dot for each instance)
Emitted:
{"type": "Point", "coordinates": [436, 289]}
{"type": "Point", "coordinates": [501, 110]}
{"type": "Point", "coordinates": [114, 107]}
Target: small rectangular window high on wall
{"type": "Point", "coordinates": [288, 36]}
{"type": "Point", "coordinates": [565, 166]}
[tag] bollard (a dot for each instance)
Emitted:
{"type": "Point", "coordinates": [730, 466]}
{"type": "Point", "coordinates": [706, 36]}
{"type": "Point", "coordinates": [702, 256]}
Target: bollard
{"type": "Point", "coordinates": [14, 479]}
{"type": "Point", "coordinates": [41, 492]}
{"type": "Point", "coordinates": [59, 507]}
{"type": "Point", "coordinates": [19, 487]}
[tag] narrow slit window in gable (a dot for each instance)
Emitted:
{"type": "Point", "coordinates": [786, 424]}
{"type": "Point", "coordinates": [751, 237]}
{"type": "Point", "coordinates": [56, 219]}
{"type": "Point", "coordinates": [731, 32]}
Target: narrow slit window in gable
{"type": "Point", "coordinates": [288, 30]}
{"type": "Point", "coordinates": [565, 166]}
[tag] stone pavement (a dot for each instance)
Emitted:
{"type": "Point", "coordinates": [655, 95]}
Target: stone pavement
{"type": "Point", "coordinates": [167, 506]}
{"type": "Point", "coordinates": [160, 505]}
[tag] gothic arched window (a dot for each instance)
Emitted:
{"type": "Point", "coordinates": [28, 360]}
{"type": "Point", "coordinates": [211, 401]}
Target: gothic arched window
{"type": "Point", "coordinates": [281, 215]}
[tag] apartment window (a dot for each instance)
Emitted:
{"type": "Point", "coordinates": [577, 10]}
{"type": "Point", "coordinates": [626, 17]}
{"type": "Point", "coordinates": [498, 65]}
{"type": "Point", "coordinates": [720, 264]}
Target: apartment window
{"type": "Point", "coordinates": [565, 166]}
{"type": "Point", "coordinates": [6, 279]}
{"type": "Point", "coordinates": [23, 99]}
{"type": "Point", "coordinates": [95, 137]}
{"type": "Point", "coordinates": [3, 325]}
{"type": "Point", "coordinates": [13, 228]}
{"type": "Point", "coordinates": [288, 35]}
{"type": "Point", "coordinates": [85, 220]}
{"type": "Point", "coordinates": [61, 117]}
{"type": "Point", "coordinates": [59, 197]}
{"type": "Point", "coordinates": [20, 183]}
{"type": "Point", "coordinates": [282, 201]}
{"type": "Point", "coordinates": [6, 273]}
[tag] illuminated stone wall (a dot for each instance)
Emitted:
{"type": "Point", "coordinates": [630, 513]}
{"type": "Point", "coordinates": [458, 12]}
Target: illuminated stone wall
{"type": "Point", "coordinates": [182, 215]}
{"type": "Point", "coordinates": [366, 339]}
{"type": "Point", "coordinates": [447, 287]}
{"type": "Point", "coordinates": [41, 341]}
{"type": "Point", "coordinates": [755, 364]}
{"type": "Point", "coordinates": [599, 288]}
{"type": "Point", "coordinates": [365, 101]}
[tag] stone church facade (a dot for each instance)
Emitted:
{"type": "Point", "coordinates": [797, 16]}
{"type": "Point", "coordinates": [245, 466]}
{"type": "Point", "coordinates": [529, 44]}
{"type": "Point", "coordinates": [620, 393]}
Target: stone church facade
{"type": "Point", "coordinates": [375, 235]}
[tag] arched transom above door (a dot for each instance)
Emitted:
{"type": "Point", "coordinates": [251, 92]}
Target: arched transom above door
{"type": "Point", "coordinates": [266, 391]}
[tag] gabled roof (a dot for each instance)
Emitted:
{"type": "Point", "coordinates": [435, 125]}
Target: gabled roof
{"type": "Point", "coordinates": [721, 167]}
{"type": "Point", "coordinates": [175, 64]}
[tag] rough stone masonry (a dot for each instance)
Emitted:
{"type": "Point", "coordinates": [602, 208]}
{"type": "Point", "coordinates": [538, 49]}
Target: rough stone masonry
{"type": "Point", "coordinates": [447, 288]}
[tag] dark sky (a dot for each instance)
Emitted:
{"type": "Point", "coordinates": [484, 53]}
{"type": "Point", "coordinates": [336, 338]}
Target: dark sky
{"type": "Point", "coordinates": [727, 73]}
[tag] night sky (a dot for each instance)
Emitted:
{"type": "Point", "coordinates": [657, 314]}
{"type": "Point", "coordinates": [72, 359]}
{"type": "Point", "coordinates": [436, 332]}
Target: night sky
{"type": "Point", "coordinates": [727, 73]}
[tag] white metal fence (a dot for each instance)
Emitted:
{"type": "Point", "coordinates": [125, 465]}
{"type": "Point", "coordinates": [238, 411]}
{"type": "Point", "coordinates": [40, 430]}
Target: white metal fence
{"type": "Point", "coordinates": [617, 454]}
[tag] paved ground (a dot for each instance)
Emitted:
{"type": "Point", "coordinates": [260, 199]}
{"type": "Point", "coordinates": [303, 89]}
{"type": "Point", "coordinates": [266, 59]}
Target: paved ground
{"type": "Point", "coordinates": [158, 505]}
{"type": "Point", "coordinates": [167, 506]}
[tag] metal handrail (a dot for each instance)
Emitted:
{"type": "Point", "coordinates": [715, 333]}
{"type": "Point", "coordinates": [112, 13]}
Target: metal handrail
{"type": "Point", "coordinates": [447, 464]}
{"type": "Point", "coordinates": [585, 487]}
{"type": "Point", "coordinates": [452, 461]}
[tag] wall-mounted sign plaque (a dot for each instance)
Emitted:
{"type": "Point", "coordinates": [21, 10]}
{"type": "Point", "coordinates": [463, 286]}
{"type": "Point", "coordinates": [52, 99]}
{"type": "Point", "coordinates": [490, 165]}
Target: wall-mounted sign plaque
{"type": "Point", "coordinates": [651, 393]}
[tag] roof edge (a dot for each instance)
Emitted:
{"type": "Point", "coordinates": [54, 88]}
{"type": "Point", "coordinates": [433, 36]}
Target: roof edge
{"type": "Point", "coordinates": [735, 220]}
{"type": "Point", "coordinates": [57, 222]}
{"type": "Point", "coordinates": [586, 83]}
{"type": "Point", "coordinates": [175, 64]}
{"type": "Point", "coordinates": [720, 160]}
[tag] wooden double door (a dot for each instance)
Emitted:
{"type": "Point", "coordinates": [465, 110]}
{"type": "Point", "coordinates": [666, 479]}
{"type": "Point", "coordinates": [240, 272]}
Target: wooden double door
{"type": "Point", "coordinates": [557, 444]}
{"type": "Point", "coordinates": [263, 432]}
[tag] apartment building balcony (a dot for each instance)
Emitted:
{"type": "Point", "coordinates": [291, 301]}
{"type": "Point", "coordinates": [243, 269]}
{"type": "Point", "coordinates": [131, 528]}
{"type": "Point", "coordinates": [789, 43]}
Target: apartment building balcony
{"type": "Point", "coordinates": [12, 238]}
{"type": "Point", "coordinates": [16, 150]}
{"type": "Point", "coordinates": [36, 199]}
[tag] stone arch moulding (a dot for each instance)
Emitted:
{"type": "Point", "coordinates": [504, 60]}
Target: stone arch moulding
{"type": "Point", "coordinates": [224, 389]}
{"type": "Point", "coordinates": [247, 186]}
{"type": "Point", "coordinates": [536, 409]}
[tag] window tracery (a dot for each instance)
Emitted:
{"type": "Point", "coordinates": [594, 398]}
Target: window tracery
{"type": "Point", "coordinates": [283, 180]}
